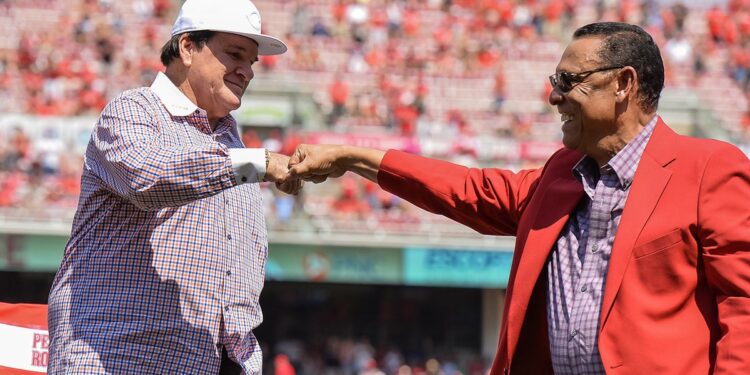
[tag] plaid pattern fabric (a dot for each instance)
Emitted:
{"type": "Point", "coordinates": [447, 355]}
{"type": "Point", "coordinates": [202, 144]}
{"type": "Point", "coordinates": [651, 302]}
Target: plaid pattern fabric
{"type": "Point", "coordinates": [577, 268]}
{"type": "Point", "coordinates": [167, 253]}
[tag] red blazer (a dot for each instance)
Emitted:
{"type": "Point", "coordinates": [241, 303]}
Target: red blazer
{"type": "Point", "coordinates": [676, 295]}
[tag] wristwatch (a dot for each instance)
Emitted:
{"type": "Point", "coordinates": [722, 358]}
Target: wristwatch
{"type": "Point", "coordinates": [268, 159]}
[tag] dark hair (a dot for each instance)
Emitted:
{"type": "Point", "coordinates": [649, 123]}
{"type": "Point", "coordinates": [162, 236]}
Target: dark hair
{"type": "Point", "coordinates": [629, 45]}
{"type": "Point", "coordinates": [171, 49]}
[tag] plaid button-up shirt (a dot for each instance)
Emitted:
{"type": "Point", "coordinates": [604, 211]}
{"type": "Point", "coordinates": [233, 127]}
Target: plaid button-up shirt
{"type": "Point", "coordinates": [577, 268]}
{"type": "Point", "coordinates": [166, 258]}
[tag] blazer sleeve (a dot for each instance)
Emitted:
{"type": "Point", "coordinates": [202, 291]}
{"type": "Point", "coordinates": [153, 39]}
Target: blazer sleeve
{"type": "Point", "coordinates": [491, 201]}
{"type": "Point", "coordinates": [724, 232]}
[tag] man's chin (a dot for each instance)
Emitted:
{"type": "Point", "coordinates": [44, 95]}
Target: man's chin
{"type": "Point", "coordinates": [234, 104]}
{"type": "Point", "coordinates": [235, 92]}
{"type": "Point", "coordinates": [570, 144]}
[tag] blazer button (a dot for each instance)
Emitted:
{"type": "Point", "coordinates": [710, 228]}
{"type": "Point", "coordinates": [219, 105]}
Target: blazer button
{"type": "Point", "coordinates": [505, 371]}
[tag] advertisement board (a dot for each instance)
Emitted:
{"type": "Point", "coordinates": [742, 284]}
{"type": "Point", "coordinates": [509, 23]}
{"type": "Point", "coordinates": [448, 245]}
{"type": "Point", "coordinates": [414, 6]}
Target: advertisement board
{"type": "Point", "coordinates": [460, 268]}
{"type": "Point", "coordinates": [423, 266]}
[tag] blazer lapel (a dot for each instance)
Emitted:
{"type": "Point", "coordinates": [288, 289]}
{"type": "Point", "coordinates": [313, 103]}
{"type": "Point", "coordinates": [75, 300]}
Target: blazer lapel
{"type": "Point", "coordinates": [559, 200]}
{"type": "Point", "coordinates": [650, 180]}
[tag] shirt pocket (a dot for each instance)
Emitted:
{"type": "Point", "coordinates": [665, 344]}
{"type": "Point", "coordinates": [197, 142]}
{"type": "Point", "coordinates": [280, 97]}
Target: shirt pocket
{"type": "Point", "coordinates": [658, 244]}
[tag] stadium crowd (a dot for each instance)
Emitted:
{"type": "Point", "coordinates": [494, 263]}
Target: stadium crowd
{"type": "Point", "coordinates": [346, 356]}
{"type": "Point", "coordinates": [38, 174]}
{"type": "Point", "coordinates": [410, 68]}
{"type": "Point", "coordinates": [386, 62]}
{"type": "Point", "coordinates": [388, 66]}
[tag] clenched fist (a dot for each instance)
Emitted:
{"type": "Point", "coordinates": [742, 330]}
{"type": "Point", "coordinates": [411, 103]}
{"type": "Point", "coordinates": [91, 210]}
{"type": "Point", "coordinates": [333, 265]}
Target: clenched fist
{"type": "Point", "coordinates": [278, 173]}
{"type": "Point", "coordinates": [317, 163]}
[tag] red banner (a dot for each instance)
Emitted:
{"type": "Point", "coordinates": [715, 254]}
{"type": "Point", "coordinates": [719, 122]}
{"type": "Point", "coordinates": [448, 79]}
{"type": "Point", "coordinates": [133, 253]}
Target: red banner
{"type": "Point", "coordinates": [380, 142]}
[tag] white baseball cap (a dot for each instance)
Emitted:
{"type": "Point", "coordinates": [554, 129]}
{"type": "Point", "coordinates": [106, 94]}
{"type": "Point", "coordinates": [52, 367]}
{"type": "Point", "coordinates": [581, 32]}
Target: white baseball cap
{"type": "Point", "coordinates": [239, 17]}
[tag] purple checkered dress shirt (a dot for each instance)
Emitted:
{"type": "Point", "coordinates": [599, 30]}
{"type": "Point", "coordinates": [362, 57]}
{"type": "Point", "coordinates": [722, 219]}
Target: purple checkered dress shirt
{"type": "Point", "coordinates": [166, 258]}
{"type": "Point", "coordinates": [577, 268]}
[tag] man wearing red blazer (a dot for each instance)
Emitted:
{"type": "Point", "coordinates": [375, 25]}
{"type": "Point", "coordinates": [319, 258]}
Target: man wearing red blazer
{"type": "Point", "coordinates": [632, 247]}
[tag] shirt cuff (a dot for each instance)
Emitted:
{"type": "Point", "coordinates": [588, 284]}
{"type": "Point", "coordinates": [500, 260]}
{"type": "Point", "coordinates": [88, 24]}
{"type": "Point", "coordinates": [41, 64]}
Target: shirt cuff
{"type": "Point", "coordinates": [249, 164]}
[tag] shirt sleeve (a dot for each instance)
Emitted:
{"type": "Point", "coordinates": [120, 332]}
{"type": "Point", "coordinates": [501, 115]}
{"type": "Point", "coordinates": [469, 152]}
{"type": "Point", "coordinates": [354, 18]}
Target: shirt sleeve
{"type": "Point", "coordinates": [249, 164]}
{"type": "Point", "coordinates": [136, 160]}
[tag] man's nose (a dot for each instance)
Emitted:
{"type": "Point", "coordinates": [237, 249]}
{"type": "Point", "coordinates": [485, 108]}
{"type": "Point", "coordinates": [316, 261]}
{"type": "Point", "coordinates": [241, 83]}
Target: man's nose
{"type": "Point", "coordinates": [555, 97]}
{"type": "Point", "coordinates": [246, 72]}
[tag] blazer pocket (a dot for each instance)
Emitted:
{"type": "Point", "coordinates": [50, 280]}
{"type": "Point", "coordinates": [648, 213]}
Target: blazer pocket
{"type": "Point", "coordinates": [658, 244]}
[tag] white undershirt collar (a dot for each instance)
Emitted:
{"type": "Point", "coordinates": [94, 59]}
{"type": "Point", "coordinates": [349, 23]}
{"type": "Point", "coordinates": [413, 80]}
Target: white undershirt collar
{"type": "Point", "coordinates": [173, 99]}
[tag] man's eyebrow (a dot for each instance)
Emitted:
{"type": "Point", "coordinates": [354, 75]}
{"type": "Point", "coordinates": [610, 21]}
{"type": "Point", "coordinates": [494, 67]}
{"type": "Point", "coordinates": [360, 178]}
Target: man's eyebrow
{"type": "Point", "coordinates": [240, 49]}
{"type": "Point", "coordinates": [237, 46]}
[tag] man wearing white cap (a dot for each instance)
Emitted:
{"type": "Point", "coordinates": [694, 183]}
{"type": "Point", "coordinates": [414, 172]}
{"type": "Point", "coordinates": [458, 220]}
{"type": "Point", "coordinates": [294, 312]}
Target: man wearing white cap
{"type": "Point", "coordinates": [166, 258]}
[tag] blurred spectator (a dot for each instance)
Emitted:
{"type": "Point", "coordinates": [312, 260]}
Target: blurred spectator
{"type": "Point", "coordinates": [678, 50]}
{"type": "Point", "coordinates": [371, 368]}
{"type": "Point", "coordinates": [305, 57]}
{"type": "Point", "coordinates": [392, 360]}
{"type": "Point", "coordinates": [433, 367]}
{"type": "Point", "coordinates": [338, 11]}
{"type": "Point", "coordinates": [18, 153]}
{"type": "Point", "coordinates": [338, 92]}
{"type": "Point", "coordinates": [357, 15]}
{"type": "Point", "coordinates": [49, 147]}
{"type": "Point", "coordinates": [161, 8]}
{"type": "Point", "coordinates": [250, 138]}
{"type": "Point", "coordinates": [406, 113]}
{"type": "Point", "coordinates": [284, 207]}
{"type": "Point", "coordinates": [282, 366]}
{"type": "Point", "coordinates": [269, 62]}
{"type": "Point", "coordinates": [300, 19]}
{"type": "Point", "coordinates": [274, 141]}
{"type": "Point", "coordinates": [394, 15]}
{"type": "Point", "coordinates": [740, 64]}
{"type": "Point", "coordinates": [290, 142]}
{"type": "Point", "coordinates": [10, 182]}
{"type": "Point", "coordinates": [357, 62]}
{"type": "Point", "coordinates": [499, 90]}
{"type": "Point", "coordinates": [745, 126]}
{"type": "Point", "coordinates": [319, 28]}
{"type": "Point", "coordinates": [4, 147]}
{"type": "Point", "coordinates": [34, 192]}
{"type": "Point", "coordinates": [349, 204]}
{"type": "Point", "coordinates": [457, 122]}
{"type": "Point", "coordinates": [411, 22]}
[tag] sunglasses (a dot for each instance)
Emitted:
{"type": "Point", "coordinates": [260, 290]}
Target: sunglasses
{"type": "Point", "coordinates": [565, 81]}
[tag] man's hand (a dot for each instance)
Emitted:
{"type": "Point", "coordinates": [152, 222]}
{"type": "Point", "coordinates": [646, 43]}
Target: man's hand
{"type": "Point", "coordinates": [278, 173]}
{"type": "Point", "coordinates": [316, 162]}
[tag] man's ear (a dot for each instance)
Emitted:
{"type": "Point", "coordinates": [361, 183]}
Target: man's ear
{"type": "Point", "coordinates": [627, 83]}
{"type": "Point", "coordinates": [187, 49]}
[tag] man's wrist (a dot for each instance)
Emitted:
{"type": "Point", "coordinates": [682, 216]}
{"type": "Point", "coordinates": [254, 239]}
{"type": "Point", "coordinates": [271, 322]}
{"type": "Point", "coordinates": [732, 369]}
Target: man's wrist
{"type": "Point", "coordinates": [268, 160]}
{"type": "Point", "coordinates": [344, 156]}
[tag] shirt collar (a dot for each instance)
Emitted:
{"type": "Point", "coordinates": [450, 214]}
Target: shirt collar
{"type": "Point", "coordinates": [624, 163]}
{"type": "Point", "coordinates": [173, 99]}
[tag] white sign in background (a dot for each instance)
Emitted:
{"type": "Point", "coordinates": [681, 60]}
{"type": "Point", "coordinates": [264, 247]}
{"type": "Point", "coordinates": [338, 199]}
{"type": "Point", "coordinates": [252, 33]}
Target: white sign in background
{"type": "Point", "coordinates": [19, 346]}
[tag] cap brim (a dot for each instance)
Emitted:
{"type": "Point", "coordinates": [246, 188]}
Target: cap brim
{"type": "Point", "coordinates": [267, 45]}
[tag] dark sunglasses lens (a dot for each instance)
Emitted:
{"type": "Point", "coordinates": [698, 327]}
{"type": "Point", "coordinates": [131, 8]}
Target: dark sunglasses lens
{"type": "Point", "coordinates": [566, 82]}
